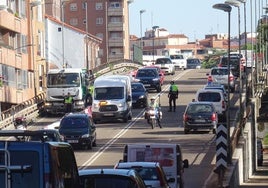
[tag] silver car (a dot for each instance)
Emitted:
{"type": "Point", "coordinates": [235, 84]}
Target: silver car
{"type": "Point", "coordinates": [220, 75]}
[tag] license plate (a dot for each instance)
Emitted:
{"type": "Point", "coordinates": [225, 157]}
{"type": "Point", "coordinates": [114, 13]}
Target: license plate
{"type": "Point", "coordinates": [200, 120]}
{"type": "Point", "coordinates": [72, 141]}
{"type": "Point", "coordinates": [146, 85]}
{"type": "Point", "coordinates": [108, 114]}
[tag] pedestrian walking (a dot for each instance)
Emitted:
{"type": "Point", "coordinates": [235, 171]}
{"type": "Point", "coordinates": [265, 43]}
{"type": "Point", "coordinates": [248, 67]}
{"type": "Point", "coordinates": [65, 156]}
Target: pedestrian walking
{"type": "Point", "coordinates": [173, 95]}
{"type": "Point", "coordinates": [68, 102]}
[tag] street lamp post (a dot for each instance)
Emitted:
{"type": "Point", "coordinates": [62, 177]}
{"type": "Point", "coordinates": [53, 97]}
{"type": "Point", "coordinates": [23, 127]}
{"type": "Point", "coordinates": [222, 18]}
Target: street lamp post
{"type": "Point", "coordinates": [33, 4]}
{"type": "Point", "coordinates": [141, 44]}
{"type": "Point", "coordinates": [227, 8]}
{"type": "Point", "coordinates": [62, 30]}
{"type": "Point", "coordinates": [236, 3]}
{"type": "Point", "coordinates": [154, 29]}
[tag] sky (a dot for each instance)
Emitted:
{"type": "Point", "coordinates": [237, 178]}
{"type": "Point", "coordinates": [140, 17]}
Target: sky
{"type": "Point", "coordinates": [194, 18]}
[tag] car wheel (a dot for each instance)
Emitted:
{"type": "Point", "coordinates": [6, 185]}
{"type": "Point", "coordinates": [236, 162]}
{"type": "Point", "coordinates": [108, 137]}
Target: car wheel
{"type": "Point", "coordinates": [94, 143]}
{"type": "Point", "coordinates": [159, 89]}
{"type": "Point", "coordinates": [90, 145]}
{"type": "Point", "coordinates": [214, 131]}
{"type": "Point", "coordinates": [186, 131]}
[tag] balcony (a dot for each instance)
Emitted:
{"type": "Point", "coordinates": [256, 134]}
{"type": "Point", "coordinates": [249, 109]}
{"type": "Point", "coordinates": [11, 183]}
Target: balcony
{"type": "Point", "coordinates": [13, 23]}
{"type": "Point", "coordinates": [115, 12]}
{"type": "Point", "coordinates": [116, 42]}
{"type": "Point", "coordinates": [115, 26]}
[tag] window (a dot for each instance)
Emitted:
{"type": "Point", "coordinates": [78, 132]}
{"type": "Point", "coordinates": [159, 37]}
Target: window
{"type": "Point", "coordinates": [73, 7]}
{"type": "Point", "coordinates": [74, 21]}
{"type": "Point", "coordinates": [99, 6]}
{"type": "Point", "coordinates": [115, 19]}
{"type": "Point", "coordinates": [115, 5]}
{"type": "Point", "coordinates": [99, 21]}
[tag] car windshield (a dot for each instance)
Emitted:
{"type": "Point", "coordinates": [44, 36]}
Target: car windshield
{"type": "Point", "coordinates": [74, 123]}
{"type": "Point", "coordinates": [192, 61]}
{"type": "Point", "coordinates": [146, 73]}
{"type": "Point", "coordinates": [219, 72]}
{"type": "Point", "coordinates": [199, 108]}
{"type": "Point", "coordinates": [176, 56]}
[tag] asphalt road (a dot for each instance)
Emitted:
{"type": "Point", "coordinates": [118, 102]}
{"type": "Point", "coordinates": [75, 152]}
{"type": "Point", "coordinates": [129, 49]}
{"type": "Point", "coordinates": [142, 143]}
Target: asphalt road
{"type": "Point", "coordinates": [197, 147]}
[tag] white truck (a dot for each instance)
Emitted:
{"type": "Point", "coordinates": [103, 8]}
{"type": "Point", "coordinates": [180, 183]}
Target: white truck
{"type": "Point", "coordinates": [112, 98]}
{"type": "Point", "coordinates": [168, 155]}
{"type": "Point", "coordinates": [179, 61]}
{"type": "Point", "coordinates": [60, 82]}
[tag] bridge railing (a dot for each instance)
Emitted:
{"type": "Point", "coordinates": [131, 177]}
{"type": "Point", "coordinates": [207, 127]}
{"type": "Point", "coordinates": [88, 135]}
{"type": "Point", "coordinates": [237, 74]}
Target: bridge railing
{"type": "Point", "coordinates": [30, 108]}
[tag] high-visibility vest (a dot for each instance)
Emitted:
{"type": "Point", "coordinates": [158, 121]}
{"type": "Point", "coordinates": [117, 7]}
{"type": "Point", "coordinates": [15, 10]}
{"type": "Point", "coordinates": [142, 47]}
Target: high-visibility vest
{"type": "Point", "coordinates": [68, 100]}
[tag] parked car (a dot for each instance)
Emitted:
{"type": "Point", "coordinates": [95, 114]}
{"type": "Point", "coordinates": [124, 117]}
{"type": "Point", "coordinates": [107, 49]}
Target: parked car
{"type": "Point", "coordinates": [220, 75]}
{"type": "Point", "coordinates": [160, 71]}
{"type": "Point", "coordinates": [139, 95]}
{"type": "Point", "coordinates": [151, 172]}
{"type": "Point", "coordinates": [259, 152]}
{"type": "Point", "coordinates": [112, 178]}
{"type": "Point", "coordinates": [150, 78]}
{"type": "Point", "coordinates": [193, 63]}
{"type": "Point", "coordinates": [236, 62]}
{"type": "Point", "coordinates": [200, 115]}
{"type": "Point", "coordinates": [216, 97]}
{"type": "Point", "coordinates": [78, 129]}
{"type": "Point", "coordinates": [166, 64]}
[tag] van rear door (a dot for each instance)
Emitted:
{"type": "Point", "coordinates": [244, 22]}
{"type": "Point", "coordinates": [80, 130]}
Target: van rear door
{"type": "Point", "coordinates": [165, 154]}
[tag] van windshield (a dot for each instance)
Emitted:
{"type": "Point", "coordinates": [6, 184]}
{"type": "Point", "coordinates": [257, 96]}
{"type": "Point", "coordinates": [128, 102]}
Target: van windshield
{"type": "Point", "coordinates": [109, 93]}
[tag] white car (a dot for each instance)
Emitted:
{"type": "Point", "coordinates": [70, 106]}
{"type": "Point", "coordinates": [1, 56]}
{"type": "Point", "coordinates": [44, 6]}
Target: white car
{"type": "Point", "coordinates": [152, 173]}
{"type": "Point", "coordinates": [166, 65]}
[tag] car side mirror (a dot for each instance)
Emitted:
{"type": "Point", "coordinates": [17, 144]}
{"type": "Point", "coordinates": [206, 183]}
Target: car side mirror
{"type": "Point", "coordinates": [128, 98]}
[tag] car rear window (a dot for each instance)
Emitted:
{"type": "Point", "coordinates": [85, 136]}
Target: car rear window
{"type": "Point", "coordinates": [219, 72]}
{"type": "Point", "coordinates": [209, 96]}
{"type": "Point", "coordinates": [146, 73]}
{"type": "Point", "coordinates": [163, 61]}
{"type": "Point", "coordinates": [199, 108]}
{"type": "Point", "coordinates": [108, 181]}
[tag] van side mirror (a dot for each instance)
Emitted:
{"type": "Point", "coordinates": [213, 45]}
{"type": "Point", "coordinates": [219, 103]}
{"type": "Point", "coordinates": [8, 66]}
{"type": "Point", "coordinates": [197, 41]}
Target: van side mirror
{"type": "Point", "coordinates": [128, 98]}
{"type": "Point", "coordinates": [185, 163]}
{"type": "Point", "coordinates": [171, 180]}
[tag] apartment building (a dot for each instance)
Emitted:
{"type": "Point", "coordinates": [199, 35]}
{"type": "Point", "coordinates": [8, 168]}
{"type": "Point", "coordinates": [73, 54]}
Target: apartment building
{"type": "Point", "coordinates": [21, 51]}
{"type": "Point", "coordinates": [108, 20]}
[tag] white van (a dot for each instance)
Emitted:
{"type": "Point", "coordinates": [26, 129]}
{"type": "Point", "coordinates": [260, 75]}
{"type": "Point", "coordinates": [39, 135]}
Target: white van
{"type": "Point", "coordinates": [112, 98]}
{"type": "Point", "coordinates": [215, 96]}
{"type": "Point", "coordinates": [168, 155]}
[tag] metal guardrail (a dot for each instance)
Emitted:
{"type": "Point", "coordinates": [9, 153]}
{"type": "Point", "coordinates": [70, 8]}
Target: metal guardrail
{"type": "Point", "coordinates": [30, 108]}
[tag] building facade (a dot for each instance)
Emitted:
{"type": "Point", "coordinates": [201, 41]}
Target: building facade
{"type": "Point", "coordinates": [108, 20]}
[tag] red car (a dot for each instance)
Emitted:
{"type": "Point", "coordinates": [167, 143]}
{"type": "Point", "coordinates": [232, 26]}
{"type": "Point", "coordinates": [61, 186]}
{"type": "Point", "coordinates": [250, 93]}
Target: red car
{"type": "Point", "coordinates": [161, 73]}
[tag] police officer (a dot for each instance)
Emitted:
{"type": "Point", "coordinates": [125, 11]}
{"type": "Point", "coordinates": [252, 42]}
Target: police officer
{"type": "Point", "coordinates": [68, 101]}
{"type": "Point", "coordinates": [173, 95]}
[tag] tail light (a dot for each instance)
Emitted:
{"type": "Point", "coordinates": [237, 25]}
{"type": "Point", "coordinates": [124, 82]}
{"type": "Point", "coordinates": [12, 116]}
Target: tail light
{"type": "Point", "coordinates": [185, 117]}
{"type": "Point", "coordinates": [213, 117]}
{"type": "Point", "coordinates": [231, 78]}
{"type": "Point", "coordinates": [219, 65]}
{"type": "Point", "coordinates": [223, 104]}
{"type": "Point", "coordinates": [210, 78]}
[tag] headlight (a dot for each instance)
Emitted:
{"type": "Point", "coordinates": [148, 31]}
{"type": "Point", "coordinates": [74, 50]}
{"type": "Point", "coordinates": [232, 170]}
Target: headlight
{"type": "Point", "coordinates": [121, 105]}
{"type": "Point", "coordinates": [85, 136]}
{"type": "Point", "coordinates": [141, 97]}
{"type": "Point", "coordinates": [156, 79]}
{"type": "Point", "coordinates": [48, 104]}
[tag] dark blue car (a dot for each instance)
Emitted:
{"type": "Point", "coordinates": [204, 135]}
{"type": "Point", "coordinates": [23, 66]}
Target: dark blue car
{"type": "Point", "coordinates": [139, 95]}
